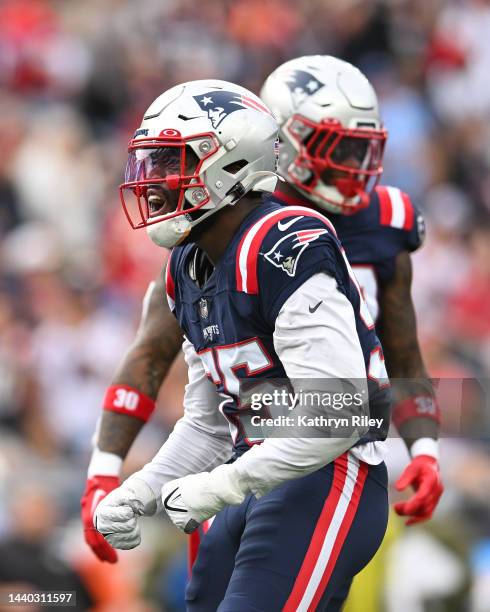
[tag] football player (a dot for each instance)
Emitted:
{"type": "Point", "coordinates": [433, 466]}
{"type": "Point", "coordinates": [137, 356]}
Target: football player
{"type": "Point", "coordinates": [262, 293]}
{"type": "Point", "coordinates": [331, 152]}
{"type": "Point", "coordinates": [378, 239]}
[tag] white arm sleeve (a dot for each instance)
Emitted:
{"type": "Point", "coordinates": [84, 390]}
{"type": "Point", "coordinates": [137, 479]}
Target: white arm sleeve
{"type": "Point", "coordinates": [319, 344]}
{"type": "Point", "coordinates": [200, 440]}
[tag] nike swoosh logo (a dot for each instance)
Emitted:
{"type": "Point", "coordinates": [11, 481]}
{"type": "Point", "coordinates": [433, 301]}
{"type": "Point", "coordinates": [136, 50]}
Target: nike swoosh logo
{"type": "Point", "coordinates": [98, 495]}
{"type": "Point", "coordinates": [168, 506]}
{"type": "Point", "coordinates": [284, 226]}
{"type": "Point", "coordinates": [315, 308]}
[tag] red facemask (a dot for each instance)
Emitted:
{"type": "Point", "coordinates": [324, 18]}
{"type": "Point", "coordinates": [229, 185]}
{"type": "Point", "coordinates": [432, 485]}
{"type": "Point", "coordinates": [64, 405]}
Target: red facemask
{"type": "Point", "coordinates": [348, 159]}
{"type": "Point", "coordinates": [158, 173]}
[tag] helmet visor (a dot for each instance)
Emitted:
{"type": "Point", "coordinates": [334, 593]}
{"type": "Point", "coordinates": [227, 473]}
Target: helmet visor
{"type": "Point", "coordinates": [155, 163]}
{"type": "Point", "coordinates": [158, 173]}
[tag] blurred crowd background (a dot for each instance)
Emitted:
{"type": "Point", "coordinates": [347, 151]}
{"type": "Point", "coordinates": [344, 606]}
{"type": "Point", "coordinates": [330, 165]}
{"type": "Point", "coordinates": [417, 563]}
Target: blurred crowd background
{"type": "Point", "coordinates": [75, 78]}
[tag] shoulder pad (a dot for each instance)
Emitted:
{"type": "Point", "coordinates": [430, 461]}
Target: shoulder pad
{"type": "Point", "coordinates": [293, 227]}
{"type": "Point", "coordinates": [397, 210]}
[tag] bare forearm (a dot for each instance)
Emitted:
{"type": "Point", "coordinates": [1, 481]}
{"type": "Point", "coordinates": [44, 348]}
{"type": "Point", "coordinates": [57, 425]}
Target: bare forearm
{"type": "Point", "coordinates": [143, 368]}
{"type": "Point", "coordinates": [402, 352]}
{"type": "Point", "coordinates": [410, 380]}
{"type": "Point", "coordinates": [118, 432]}
{"type": "Point", "coordinates": [406, 369]}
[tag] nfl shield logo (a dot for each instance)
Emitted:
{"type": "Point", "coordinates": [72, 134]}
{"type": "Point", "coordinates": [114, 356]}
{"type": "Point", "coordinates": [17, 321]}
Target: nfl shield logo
{"type": "Point", "coordinates": [203, 308]}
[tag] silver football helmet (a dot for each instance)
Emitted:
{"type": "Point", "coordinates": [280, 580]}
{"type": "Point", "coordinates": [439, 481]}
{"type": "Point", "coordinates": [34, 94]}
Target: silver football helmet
{"type": "Point", "coordinates": [201, 146]}
{"type": "Point", "coordinates": [331, 135]}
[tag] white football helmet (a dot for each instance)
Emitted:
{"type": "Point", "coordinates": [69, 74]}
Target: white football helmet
{"type": "Point", "coordinates": [331, 135]}
{"type": "Point", "coordinates": [201, 146]}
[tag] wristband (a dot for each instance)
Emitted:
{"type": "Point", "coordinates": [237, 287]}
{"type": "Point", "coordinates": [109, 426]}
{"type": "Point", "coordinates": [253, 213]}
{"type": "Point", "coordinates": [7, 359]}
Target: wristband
{"type": "Point", "coordinates": [425, 446]}
{"type": "Point", "coordinates": [424, 406]}
{"type": "Point", "coordinates": [128, 400]}
{"type": "Point", "coordinates": [104, 464]}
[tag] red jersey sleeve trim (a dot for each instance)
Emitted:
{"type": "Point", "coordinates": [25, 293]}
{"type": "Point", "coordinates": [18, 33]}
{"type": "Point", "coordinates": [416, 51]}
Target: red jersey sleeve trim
{"type": "Point", "coordinates": [248, 249]}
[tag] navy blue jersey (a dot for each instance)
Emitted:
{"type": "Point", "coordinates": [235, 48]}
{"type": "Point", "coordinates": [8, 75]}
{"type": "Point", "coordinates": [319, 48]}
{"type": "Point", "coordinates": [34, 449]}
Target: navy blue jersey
{"type": "Point", "coordinates": [374, 236]}
{"type": "Point", "coordinates": [230, 320]}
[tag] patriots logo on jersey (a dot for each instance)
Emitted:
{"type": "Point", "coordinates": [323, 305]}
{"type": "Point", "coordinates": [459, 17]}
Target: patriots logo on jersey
{"type": "Point", "coordinates": [219, 104]}
{"type": "Point", "coordinates": [286, 252]}
{"type": "Point", "coordinates": [302, 85]}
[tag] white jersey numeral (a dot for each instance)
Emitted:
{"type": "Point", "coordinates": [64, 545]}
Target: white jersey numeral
{"type": "Point", "coordinates": [368, 288]}
{"type": "Point", "coordinates": [126, 399]}
{"type": "Point", "coordinates": [221, 363]}
{"type": "Point", "coordinates": [363, 307]}
{"type": "Point", "coordinates": [207, 358]}
{"type": "Point", "coordinates": [368, 283]}
{"type": "Point", "coordinates": [250, 355]}
{"type": "Point", "coordinates": [377, 369]}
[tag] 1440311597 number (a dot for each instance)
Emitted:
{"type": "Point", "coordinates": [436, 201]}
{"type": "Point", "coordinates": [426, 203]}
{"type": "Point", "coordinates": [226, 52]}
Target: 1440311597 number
{"type": "Point", "coordinates": [61, 598]}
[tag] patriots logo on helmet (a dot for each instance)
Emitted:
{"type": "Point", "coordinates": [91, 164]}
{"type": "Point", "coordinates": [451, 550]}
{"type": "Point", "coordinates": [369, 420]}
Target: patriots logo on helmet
{"type": "Point", "coordinates": [301, 84]}
{"type": "Point", "coordinates": [141, 132]}
{"type": "Point", "coordinates": [219, 104]}
{"type": "Point", "coordinates": [286, 252]}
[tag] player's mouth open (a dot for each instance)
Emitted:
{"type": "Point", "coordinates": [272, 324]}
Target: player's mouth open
{"type": "Point", "coordinates": [158, 202]}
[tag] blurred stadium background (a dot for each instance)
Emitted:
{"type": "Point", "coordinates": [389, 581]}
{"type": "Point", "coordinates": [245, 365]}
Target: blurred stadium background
{"type": "Point", "coordinates": [74, 80]}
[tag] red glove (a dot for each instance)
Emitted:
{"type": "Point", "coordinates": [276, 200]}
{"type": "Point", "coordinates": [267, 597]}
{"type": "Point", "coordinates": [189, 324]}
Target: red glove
{"type": "Point", "coordinates": [424, 476]}
{"type": "Point", "coordinates": [96, 489]}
